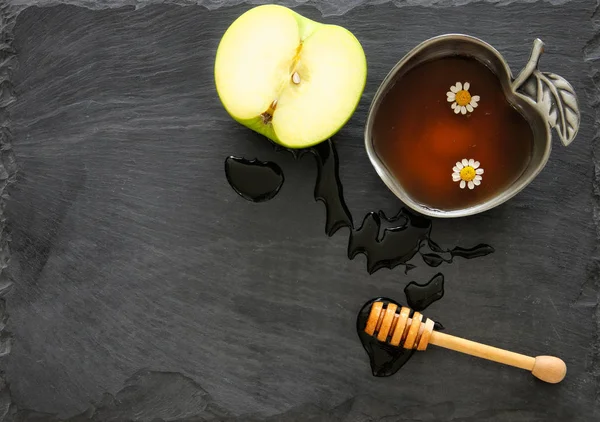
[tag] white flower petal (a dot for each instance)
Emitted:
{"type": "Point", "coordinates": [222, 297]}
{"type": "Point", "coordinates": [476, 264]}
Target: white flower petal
{"type": "Point", "coordinates": [472, 104]}
{"type": "Point", "coordinates": [476, 164]}
{"type": "Point", "coordinates": [463, 110]}
{"type": "Point", "coordinates": [475, 98]}
{"type": "Point", "coordinates": [459, 165]}
{"type": "Point", "coordinates": [469, 108]}
{"type": "Point", "coordinates": [455, 177]}
{"type": "Point", "coordinates": [479, 171]}
{"type": "Point", "coordinates": [478, 177]}
{"type": "Point", "coordinates": [459, 86]}
{"type": "Point", "coordinates": [465, 162]}
{"type": "Point", "coordinates": [451, 94]}
{"type": "Point", "coordinates": [454, 89]}
{"type": "Point", "coordinates": [476, 182]}
{"type": "Point", "coordinates": [467, 86]}
{"type": "Point", "coordinates": [456, 110]}
{"type": "Point", "coordinates": [462, 184]}
{"type": "Point", "coordinates": [471, 185]}
{"type": "Point", "coordinates": [453, 106]}
{"type": "Point", "coordinates": [471, 162]}
{"type": "Point", "coordinates": [450, 99]}
{"type": "Point", "coordinates": [455, 169]}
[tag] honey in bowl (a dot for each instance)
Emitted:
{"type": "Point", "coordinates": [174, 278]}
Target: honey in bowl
{"type": "Point", "coordinates": [420, 138]}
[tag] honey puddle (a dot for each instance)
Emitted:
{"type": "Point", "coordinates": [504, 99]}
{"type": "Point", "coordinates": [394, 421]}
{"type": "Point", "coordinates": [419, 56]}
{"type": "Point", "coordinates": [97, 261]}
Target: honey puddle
{"type": "Point", "coordinates": [384, 358]}
{"type": "Point", "coordinates": [404, 238]}
{"type": "Point", "coordinates": [254, 180]}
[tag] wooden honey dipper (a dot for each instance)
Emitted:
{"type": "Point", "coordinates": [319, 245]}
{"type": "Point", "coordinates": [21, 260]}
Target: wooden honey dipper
{"type": "Point", "coordinates": [397, 328]}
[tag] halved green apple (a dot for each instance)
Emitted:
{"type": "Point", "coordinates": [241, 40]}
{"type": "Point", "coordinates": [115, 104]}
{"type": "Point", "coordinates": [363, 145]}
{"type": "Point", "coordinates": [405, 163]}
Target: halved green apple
{"type": "Point", "coordinates": [292, 79]}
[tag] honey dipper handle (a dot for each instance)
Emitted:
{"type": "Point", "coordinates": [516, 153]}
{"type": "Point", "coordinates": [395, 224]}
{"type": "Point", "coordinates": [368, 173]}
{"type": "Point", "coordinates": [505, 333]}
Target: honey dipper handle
{"type": "Point", "coordinates": [482, 350]}
{"type": "Point", "coordinates": [547, 368]}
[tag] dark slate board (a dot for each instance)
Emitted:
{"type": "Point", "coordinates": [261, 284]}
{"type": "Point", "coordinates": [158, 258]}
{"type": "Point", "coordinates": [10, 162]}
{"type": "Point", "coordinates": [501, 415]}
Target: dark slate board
{"type": "Point", "coordinates": [139, 273]}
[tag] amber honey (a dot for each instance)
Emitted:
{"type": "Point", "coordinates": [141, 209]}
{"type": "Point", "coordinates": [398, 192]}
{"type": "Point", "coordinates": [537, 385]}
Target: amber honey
{"type": "Point", "coordinates": [419, 137]}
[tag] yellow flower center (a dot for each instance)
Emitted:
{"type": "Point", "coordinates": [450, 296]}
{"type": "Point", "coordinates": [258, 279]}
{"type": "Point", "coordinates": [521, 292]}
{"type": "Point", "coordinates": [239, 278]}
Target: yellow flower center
{"type": "Point", "coordinates": [463, 98]}
{"type": "Point", "coordinates": [467, 173]}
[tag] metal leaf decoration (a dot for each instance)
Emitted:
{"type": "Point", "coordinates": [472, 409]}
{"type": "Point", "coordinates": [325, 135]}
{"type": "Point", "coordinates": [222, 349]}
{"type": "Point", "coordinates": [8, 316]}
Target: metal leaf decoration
{"type": "Point", "coordinates": [553, 94]}
{"type": "Point", "coordinates": [557, 99]}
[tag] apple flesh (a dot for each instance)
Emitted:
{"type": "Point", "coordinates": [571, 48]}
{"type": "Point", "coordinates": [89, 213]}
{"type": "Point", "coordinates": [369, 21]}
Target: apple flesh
{"type": "Point", "coordinates": [292, 79]}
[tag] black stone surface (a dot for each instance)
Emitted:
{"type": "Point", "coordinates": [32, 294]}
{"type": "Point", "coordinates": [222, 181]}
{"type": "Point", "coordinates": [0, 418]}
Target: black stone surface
{"type": "Point", "coordinates": [145, 287]}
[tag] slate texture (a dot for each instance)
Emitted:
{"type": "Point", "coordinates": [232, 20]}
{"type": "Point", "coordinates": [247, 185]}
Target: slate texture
{"type": "Point", "coordinates": [145, 288]}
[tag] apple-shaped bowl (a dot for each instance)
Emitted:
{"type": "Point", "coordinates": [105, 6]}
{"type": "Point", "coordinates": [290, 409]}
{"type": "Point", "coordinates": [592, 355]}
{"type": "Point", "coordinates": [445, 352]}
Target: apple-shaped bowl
{"type": "Point", "coordinates": [545, 100]}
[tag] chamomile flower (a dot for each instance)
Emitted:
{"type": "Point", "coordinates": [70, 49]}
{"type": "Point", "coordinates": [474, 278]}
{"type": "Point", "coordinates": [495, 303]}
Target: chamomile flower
{"type": "Point", "coordinates": [468, 173]}
{"type": "Point", "coordinates": [461, 98]}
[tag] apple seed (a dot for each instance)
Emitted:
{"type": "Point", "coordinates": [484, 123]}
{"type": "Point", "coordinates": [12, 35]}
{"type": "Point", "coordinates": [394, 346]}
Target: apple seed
{"type": "Point", "coordinates": [296, 78]}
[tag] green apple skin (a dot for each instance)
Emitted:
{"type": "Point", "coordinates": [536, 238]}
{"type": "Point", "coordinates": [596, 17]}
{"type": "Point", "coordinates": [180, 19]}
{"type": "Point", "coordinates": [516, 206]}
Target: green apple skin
{"type": "Point", "coordinates": [306, 28]}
